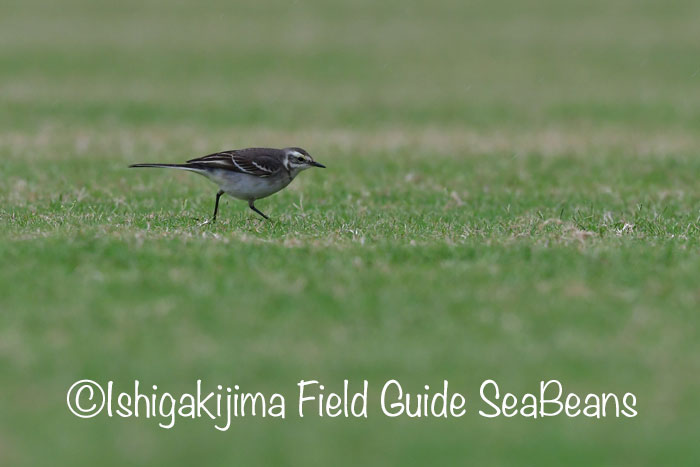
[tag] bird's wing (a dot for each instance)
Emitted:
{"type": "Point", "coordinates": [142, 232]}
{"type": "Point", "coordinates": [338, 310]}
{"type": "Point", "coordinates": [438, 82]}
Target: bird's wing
{"type": "Point", "coordinates": [260, 162]}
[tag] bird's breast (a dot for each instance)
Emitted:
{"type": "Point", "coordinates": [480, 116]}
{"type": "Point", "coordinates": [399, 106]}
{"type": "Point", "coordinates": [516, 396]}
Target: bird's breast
{"type": "Point", "coordinates": [244, 186]}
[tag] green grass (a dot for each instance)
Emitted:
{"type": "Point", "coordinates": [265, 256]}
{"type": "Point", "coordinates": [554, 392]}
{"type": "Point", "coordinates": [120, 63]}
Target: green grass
{"type": "Point", "coordinates": [511, 194]}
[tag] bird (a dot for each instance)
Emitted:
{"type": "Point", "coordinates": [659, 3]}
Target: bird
{"type": "Point", "coordinates": [247, 174]}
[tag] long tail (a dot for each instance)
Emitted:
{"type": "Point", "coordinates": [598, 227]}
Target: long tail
{"type": "Point", "coordinates": [190, 167]}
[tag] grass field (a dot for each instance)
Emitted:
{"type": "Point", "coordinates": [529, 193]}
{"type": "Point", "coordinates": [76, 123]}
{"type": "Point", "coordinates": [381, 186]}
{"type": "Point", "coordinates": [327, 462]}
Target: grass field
{"type": "Point", "coordinates": [511, 193]}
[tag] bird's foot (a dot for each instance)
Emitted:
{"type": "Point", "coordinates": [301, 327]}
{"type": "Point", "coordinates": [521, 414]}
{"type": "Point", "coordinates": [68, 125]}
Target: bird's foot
{"type": "Point", "coordinates": [206, 222]}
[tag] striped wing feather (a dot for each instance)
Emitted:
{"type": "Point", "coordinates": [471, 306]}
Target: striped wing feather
{"type": "Point", "coordinates": [260, 162]}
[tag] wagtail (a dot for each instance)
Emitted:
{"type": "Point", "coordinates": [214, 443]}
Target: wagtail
{"type": "Point", "coordinates": [248, 174]}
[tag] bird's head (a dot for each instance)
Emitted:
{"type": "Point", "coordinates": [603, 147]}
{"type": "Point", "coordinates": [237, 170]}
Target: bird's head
{"type": "Point", "coordinates": [297, 159]}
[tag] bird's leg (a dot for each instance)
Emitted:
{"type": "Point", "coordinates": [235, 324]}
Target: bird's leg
{"type": "Point", "coordinates": [216, 206]}
{"type": "Point", "coordinates": [216, 210]}
{"type": "Point", "coordinates": [252, 206]}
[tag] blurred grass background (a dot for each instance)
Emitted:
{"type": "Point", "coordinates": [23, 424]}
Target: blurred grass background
{"type": "Point", "coordinates": [511, 194]}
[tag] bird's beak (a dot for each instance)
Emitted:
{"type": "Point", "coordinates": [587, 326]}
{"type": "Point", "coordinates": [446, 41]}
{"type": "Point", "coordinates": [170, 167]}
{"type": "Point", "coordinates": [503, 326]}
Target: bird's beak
{"type": "Point", "coordinates": [316, 164]}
